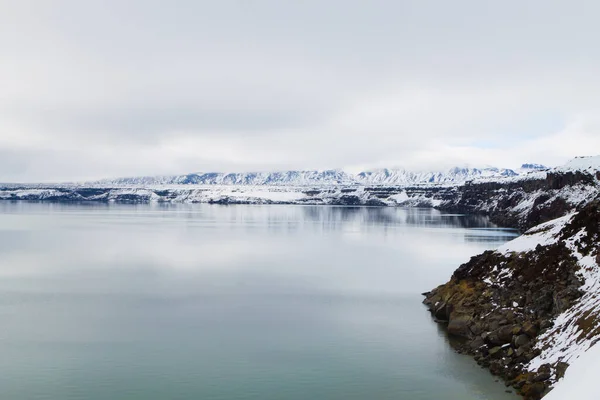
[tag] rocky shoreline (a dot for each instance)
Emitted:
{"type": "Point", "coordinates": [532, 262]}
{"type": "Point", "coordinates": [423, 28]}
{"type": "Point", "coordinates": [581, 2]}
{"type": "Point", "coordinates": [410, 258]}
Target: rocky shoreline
{"type": "Point", "coordinates": [506, 304]}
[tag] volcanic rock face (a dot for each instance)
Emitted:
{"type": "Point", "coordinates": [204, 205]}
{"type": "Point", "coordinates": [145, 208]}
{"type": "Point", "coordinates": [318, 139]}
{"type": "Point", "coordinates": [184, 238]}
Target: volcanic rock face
{"type": "Point", "coordinates": [521, 308]}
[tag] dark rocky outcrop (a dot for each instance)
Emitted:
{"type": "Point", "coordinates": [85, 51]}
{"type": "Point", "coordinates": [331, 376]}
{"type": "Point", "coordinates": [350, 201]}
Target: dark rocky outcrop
{"type": "Point", "coordinates": [500, 303]}
{"type": "Point", "coordinates": [500, 200]}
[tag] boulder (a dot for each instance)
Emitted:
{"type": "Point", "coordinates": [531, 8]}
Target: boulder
{"type": "Point", "coordinates": [476, 343]}
{"type": "Point", "coordinates": [521, 340]}
{"type": "Point", "coordinates": [458, 325]}
{"type": "Point", "coordinates": [500, 336]}
{"type": "Point", "coordinates": [441, 311]}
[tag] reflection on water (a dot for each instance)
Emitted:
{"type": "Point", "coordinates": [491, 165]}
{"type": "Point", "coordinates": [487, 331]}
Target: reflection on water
{"type": "Point", "coordinates": [231, 302]}
{"type": "Point", "coordinates": [382, 216]}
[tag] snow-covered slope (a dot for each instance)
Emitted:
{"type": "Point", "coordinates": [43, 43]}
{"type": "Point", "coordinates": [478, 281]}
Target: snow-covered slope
{"type": "Point", "coordinates": [456, 175]}
{"type": "Point", "coordinates": [577, 328]}
{"type": "Point", "coordinates": [587, 164]}
{"type": "Point", "coordinates": [580, 379]}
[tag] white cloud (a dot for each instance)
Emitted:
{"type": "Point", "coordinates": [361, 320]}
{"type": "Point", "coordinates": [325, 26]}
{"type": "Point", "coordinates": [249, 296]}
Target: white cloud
{"type": "Point", "coordinates": [99, 89]}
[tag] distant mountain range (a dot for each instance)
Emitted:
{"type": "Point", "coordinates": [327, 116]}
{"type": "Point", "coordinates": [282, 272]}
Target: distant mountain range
{"type": "Point", "coordinates": [384, 176]}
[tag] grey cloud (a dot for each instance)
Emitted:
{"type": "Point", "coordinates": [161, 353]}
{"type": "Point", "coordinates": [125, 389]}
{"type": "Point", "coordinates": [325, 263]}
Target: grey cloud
{"type": "Point", "coordinates": [151, 124]}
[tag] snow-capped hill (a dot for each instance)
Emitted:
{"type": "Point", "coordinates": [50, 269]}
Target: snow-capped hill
{"type": "Point", "coordinates": [385, 176]}
{"type": "Point", "coordinates": [590, 165]}
{"type": "Point", "coordinates": [283, 178]}
{"type": "Point", "coordinates": [577, 166]}
{"type": "Point", "coordinates": [465, 174]}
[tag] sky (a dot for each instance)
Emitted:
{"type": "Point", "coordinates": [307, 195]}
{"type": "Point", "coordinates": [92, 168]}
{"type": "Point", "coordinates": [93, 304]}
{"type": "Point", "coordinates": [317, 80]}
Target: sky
{"type": "Point", "coordinates": [98, 89]}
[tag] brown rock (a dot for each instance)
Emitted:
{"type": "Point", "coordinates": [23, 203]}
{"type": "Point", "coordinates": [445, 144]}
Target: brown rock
{"type": "Point", "coordinates": [459, 325]}
{"type": "Point", "coordinates": [533, 390]}
{"type": "Point", "coordinates": [561, 367]}
{"type": "Point", "coordinates": [529, 329]}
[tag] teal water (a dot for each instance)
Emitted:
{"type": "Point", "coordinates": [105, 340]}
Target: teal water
{"type": "Point", "coordinates": [231, 302]}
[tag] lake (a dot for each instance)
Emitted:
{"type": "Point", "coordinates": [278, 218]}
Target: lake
{"type": "Point", "coordinates": [149, 302]}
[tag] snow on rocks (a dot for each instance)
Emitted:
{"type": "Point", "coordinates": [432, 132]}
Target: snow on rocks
{"type": "Point", "coordinates": [543, 235]}
{"type": "Point", "coordinates": [577, 328]}
{"type": "Point", "coordinates": [531, 307]}
{"type": "Point", "coordinates": [383, 176]}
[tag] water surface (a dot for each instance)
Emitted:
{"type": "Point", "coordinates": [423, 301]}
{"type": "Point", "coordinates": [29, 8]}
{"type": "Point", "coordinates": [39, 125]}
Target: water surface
{"type": "Point", "coordinates": [231, 302]}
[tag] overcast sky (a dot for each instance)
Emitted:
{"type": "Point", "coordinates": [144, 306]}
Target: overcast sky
{"type": "Point", "coordinates": [92, 89]}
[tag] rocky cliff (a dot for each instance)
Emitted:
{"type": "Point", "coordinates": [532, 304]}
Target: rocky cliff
{"type": "Point", "coordinates": [524, 203]}
{"type": "Point", "coordinates": [527, 309]}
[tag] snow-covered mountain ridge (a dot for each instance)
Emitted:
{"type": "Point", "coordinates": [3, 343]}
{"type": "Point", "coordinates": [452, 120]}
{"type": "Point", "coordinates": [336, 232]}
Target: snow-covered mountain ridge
{"type": "Point", "coordinates": [384, 176]}
{"type": "Point", "coordinates": [513, 201]}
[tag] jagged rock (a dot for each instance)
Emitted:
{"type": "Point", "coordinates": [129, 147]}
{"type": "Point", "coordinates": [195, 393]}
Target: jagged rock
{"type": "Point", "coordinates": [501, 336]}
{"type": "Point", "coordinates": [543, 373]}
{"type": "Point", "coordinates": [560, 368]}
{"type": "Point", "coordinates": [442, 311]}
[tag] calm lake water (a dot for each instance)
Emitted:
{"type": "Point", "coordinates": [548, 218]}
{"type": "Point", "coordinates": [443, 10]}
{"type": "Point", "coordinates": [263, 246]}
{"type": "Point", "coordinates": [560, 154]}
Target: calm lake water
{"type": "Point", "coordinates": [231, 302]}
